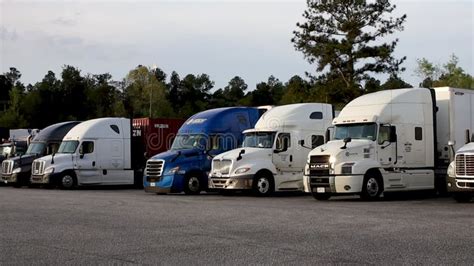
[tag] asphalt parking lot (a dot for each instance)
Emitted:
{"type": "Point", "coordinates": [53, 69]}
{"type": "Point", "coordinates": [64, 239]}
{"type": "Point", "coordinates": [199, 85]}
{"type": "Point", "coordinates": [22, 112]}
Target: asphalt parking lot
{"type": "Point", "coordinates": [127, 226]}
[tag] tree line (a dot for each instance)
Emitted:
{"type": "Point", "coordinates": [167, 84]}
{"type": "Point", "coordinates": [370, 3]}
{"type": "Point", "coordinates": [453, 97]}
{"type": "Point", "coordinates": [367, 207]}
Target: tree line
{"type": "Point", "coordinates": [342, 39]}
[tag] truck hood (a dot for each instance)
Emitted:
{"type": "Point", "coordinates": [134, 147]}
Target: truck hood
{"type": "Point", "coordinates": [467, 148]}
{"type": "Point", "coordinates": [250, 153]}
{"type": "Point", "coordinates": [179, 155]}
{"type": "Point", "coordinates": [59, 158]}
{"type": "Point", "coordinates": [356, 147]}
{"type": "Point", "coordinates": [24, 159]}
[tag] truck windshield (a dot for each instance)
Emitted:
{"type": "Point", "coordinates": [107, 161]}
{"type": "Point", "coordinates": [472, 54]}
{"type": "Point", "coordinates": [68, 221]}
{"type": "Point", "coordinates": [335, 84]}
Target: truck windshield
{"type": "Point", "coordinates": [185, 142]}
{"type": "Point", "coordinates": [68, 146]}
{"type": "Point", "coordinates": [36, 148]}
{"type": "Point", "coordinates": [356, 131]}
{"type": "Point", "coordinates": [259, 140]}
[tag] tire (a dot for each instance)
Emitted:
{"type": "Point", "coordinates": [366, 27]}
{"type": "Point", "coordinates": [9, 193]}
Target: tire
{"type": "Point", "coordinates": [67, 181]}
{"type": "Point", "coordinates": [321, 196]}
{"type": "Point", "coordinates": [192, 185]}
{"type": "Point", "coordinates": [263, 185]}
{"type": "Point", "coordinates": [462, 197]}
{"type": "Point", "coordinates": [372, 187]}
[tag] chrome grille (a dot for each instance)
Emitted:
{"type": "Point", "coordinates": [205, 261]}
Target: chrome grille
{"type": "Point", "coordinates": [465, 165]}
{"type": "Point", "coordinates": [154, 168]}
{"type": "Point", "coordinates": [221, 166]}
{"type": "Point", "coordinates": [319, 165]}
{"type": "Point", "coordinates": [37, 168]}
{"type": "Point", "coordinates": [7, 167]}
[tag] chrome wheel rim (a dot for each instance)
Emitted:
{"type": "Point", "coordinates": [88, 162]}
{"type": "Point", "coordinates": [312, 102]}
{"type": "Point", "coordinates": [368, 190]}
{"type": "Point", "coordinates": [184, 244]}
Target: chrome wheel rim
{"type": "Point", "coordinates": [372, 187]}
{"type": "Point", "coordinates": [67, 181]}
{"type": "Point", "coordinates": [193, 184]}
{"type": "Point", "coordinates": [263, 185]}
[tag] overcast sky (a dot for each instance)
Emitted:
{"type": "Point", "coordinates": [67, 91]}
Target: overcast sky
{"type": "Point", "coordinates": [220, 38]}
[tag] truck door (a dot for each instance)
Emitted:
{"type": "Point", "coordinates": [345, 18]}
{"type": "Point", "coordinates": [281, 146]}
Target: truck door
{"type": "Point", "coordinates": [86, 165]}
{"type": "Point", "coordinates": [386, 146]}
{"type": "Point", "coordinates": [283, 153]}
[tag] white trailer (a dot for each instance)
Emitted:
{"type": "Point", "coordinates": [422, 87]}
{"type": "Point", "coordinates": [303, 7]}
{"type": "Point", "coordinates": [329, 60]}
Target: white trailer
{"type": "Point", "coordinates": [273, 154]}
{"type": "Point", "coordinates": [95, 152]}
{"type": "Point", "coordinates": [394, 140]}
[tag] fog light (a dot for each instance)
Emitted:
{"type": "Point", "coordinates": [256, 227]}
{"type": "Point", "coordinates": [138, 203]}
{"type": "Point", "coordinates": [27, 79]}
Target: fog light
{"type": "Point", "coordinates": [449, 184]}
{"type": "Point", "coordinates": [347, 187]}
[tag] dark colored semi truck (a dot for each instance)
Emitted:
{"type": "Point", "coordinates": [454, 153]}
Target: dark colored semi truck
{"type": "Point", "coordinates": [17, 170]}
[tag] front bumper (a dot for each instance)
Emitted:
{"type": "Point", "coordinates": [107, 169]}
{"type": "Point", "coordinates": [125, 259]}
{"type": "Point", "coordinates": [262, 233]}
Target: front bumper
{"type": "Point", "coordinates": [335, 184]}
{"type": "Point", "coordinates": [164, 184]}
{"type": "Point", "coordinates": [41, 179]}
{"type": "Point", "coordinates": [460, 184]}
{"type": "Point", "coordinates": [9, 178]}
{"type": "Point", "coordinates": [236, 182]}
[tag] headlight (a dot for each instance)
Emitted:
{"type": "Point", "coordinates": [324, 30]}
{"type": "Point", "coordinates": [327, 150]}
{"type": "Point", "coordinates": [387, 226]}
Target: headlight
{"type": "Point", "coordinates": [452, 169]}
{"type": "Point", "coordinates": [49, 170]}
{"type": "Point", "coordinates": [242, 170]}
{"type": "Point", "coordinates": [173, 170]}
{"type": "Point", "coordinates": [16, 170]}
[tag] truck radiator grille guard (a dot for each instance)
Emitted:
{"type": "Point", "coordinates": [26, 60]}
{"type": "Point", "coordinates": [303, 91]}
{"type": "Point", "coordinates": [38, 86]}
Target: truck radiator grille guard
{"type": "Point", "coordinates": [37, 168]}
{"type": "Point", "coordinates": [465, 165]}
{"type": "Point", "coordinates": [221, 166]}
{"type": "Point", "coordinates": [319, 165]}
{"type": "Point", "coordinates": [7, 167]}
{"type": "Point", "coordinates": [154, 170]}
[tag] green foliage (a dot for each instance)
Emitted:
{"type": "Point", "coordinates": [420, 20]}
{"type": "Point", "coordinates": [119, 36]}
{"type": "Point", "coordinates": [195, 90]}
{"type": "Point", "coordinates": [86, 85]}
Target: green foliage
{"type": "Point", "coordinates": [146, 94]}
{"type": "Point", "coordinates": [450, 74]}
{"type": "Point", "coordinates": [342, 38]}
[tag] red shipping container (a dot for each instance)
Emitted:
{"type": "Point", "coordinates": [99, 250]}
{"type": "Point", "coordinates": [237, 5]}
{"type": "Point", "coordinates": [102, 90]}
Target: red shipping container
{"type": "Point", "coordinates": [157, 134]}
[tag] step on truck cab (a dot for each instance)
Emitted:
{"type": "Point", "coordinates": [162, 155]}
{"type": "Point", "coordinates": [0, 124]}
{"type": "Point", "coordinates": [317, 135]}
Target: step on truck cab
{"type": "Point", "coordinates": [394, 140]}
{"type": "Point", "coordinates": [185, 167]}
{"type": "Point", "coordinates": [17, 170]}
{"type": "Point", "coordinates": [273, 153]}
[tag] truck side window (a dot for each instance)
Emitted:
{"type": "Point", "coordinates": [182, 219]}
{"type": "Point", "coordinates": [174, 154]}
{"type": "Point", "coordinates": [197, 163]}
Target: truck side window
{"type": "Point", "coordinates": [418, 133]}
{"type": "Point", "coordinates": [316, 140]}
{"type": "Point", "coordinates": [316, 115]}
{"type": "Point", "coordinates": [384, 134]}
{"type": "Point", "coordinates": [87, 147]}
{"type": "Point", "coordinates": [283, 141]}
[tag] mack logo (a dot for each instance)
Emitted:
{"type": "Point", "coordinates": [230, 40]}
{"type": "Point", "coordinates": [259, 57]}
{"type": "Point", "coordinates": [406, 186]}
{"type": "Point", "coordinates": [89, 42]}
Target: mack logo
{"type": "Point", "coordinates": [319, 166]}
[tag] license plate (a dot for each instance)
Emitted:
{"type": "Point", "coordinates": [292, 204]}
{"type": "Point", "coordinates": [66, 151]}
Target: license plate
{"type": "Point", "coordinates": [152, 185]}
{"type": "Point", "coordinates": [320, 190]}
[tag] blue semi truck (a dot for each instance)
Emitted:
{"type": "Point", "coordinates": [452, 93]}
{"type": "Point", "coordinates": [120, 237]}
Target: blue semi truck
{"type": "Point", "coordinates": [185, 167]}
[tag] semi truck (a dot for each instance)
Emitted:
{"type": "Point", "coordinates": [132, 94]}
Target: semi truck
{"type": "Point", "coordinates": [273, 154]}
{"type": "Point", "coordinates": [185, 167]}
{"type": "Point", "coordinates": [100, 151]}
{"type": "Point", "coordinates": [388, 141]}
{"type": "Point", "coordinates": [461, 174]}
{"type": "Point", "coordinates": [17, 170]}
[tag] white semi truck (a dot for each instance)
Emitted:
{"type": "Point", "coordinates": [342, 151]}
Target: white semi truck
{"type": "Point", "coordinates": [95, 152]}
{"type": "Point", "coordinates": [274, 153]}
{"type": "Point", "coordinates": [461, 173]}
{"type": "Point", "coordinates": [395, 140]}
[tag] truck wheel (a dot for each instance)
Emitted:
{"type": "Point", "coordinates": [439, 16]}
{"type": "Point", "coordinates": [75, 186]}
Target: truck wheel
{"type": "Point", "coordinates": [371, 187]}
{"type": "Point", "coordinates": [192, 185]}
{"type": "Point", "coordinates": [68, 181]}
{"type": "Point", "coordinates": [263, 185]}
{"type": "Point", "coordinates": [462, 197]}
{"type": "Point", "coordinates": [321, 196]}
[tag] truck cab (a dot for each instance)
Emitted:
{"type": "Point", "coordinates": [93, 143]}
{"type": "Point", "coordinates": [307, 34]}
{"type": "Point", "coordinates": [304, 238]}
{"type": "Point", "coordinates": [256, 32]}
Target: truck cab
{"type": "Point", "coordinates": [17, 170]}
{"type": "Point", "coordinates": [461, 174]}
{"type": "Point", "coordinates": [185, 167]}
{"type": "Point", "coordinates": [389, 141]}
{"type": "Point", "coordinates": [273, 154]}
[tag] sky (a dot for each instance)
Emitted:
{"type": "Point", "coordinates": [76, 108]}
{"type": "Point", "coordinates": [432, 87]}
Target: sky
{"type": "Point", "coordinates": [251, 39]}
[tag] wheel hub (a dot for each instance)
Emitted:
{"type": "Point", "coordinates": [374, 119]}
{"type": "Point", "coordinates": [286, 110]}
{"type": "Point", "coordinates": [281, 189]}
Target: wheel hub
{"type": "Point", "coordinates": [372, 187]}
{"type": "Point", "coordinates": [193, 184]}
{"type": "Point", "coordinates": [263, 185]}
